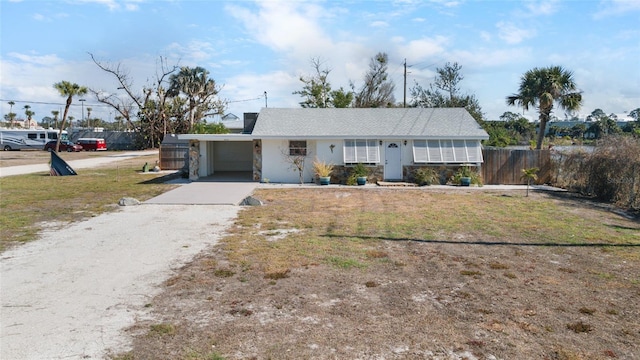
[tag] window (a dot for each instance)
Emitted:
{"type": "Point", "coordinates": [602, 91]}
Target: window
{"type": "Point", "coordinates": [32, 136]}
{"type": "Point", "coordinates": [361, 151]}
{"type": "Point", "coordinates": [298, 148]}
{"type": "Point", "coordinates": [447, 151]}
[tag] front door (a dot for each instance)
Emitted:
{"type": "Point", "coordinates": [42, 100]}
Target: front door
{"type": "Point", "coordinates": [392, 161]}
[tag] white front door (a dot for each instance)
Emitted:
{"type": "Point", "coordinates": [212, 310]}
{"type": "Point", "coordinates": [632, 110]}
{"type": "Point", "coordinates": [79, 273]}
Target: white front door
{"type": "Point", "coordinates": [392, 161]}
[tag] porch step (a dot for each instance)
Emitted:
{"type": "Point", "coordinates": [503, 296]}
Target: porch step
{"type": "Point", "coordinates": [396, 184]}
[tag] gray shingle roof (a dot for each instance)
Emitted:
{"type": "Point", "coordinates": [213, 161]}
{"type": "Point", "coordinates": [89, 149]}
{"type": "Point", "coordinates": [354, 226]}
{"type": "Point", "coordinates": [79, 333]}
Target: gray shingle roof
{"type": "Point", "coordinates": [450, 123]}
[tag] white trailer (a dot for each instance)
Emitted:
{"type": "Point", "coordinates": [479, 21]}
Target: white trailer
{"type": "Point", "coordinates": [18, 139]}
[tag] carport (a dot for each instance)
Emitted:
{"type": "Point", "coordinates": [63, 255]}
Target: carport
{"type": "Point", "coordinates": [220, 156]}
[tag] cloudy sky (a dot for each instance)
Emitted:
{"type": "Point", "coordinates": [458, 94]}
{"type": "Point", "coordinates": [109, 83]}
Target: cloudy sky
{"type": "Point", "coordinates": [253, 47]}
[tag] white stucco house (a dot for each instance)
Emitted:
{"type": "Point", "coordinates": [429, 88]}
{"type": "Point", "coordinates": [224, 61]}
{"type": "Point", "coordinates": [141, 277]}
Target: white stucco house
{"type": "Point", "coordinates": [391, 141]}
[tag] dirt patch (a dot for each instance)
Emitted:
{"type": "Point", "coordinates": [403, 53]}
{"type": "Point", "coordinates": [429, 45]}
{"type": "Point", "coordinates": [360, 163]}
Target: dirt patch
{"type": "Point", "coordinates": [390, 275]}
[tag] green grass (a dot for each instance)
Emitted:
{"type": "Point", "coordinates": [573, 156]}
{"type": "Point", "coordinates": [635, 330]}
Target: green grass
{"type": "Point", "coordinates": [28, 201]}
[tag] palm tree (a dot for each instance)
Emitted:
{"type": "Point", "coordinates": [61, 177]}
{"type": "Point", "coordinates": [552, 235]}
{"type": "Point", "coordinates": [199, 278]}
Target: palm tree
{"type": "Point", "coordinates": [29, 114]}
{"type": "Point", "coordinates": [529, 175]}
{"type": "Point", "coordinates": [55, 114]}
{"type": "Point", "coordinates": [196, 85]}
{"type": "Point", "coordinates": [89, 117]}
{"type": "Point", "coordinates": [541, 88]}
{"type": "Point", "coordinates": [69, 90]}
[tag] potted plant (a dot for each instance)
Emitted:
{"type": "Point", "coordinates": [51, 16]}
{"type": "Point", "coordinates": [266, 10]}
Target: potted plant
{"type": "Point", "coordinates": [359, 174]}
{"type": "Point", "coordinates": [323, 171]}
{"type": "Point", "coordinates": [465, 176]}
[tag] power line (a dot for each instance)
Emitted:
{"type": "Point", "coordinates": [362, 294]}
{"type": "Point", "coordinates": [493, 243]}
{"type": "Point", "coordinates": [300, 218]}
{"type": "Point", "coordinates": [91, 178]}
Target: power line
{"type": "Point", "coordinates": [50, 103]}
{"type": "Point", "coordinates": [99, 104]}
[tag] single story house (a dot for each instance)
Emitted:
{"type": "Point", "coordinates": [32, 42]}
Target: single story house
{"type": "Point", "coordinates": [391, 141]}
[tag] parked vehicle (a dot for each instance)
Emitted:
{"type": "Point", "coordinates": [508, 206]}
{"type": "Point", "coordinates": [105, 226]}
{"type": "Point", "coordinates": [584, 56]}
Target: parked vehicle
{"type": "Point", "coordinates": [65, 145]}
{"type": "Point", "coordinates": [18, 139]}
{"type": "Point", "coordinates": [92, 144]}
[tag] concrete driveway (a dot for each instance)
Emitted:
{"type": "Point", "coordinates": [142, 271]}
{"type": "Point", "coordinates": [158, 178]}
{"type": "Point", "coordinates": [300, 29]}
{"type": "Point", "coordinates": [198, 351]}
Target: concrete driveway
{"type": "Point", "coordinates": [206, 193]}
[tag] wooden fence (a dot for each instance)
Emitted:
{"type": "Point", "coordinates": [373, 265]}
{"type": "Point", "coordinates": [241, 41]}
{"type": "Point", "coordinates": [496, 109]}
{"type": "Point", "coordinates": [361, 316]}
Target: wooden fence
{"type": "Point", "coordinates": [173, 156]}
{"type": "Point", "coordinates": [504, 166]}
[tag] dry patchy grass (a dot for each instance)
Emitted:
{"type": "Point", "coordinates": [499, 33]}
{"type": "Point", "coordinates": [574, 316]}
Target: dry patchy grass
{"type": "Point", "coordinates": [402, 274]}
{"type": "Point", "coordinates": [31, 202]}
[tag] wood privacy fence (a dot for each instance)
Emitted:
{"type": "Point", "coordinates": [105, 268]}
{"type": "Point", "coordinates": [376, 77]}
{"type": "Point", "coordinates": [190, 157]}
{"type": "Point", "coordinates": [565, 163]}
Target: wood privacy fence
{"type": "Point", "coordinates": [174, 156]}
{"type": "Point", "coordinates": [504, 166]}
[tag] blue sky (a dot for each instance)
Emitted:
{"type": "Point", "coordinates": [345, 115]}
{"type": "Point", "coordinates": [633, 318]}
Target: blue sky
{"type": "Point", "coordinates": [251, 47]}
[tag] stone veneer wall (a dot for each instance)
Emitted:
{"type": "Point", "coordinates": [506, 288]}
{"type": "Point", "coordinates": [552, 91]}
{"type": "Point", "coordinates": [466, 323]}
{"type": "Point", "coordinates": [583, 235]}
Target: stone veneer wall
{"type": "Point", "coordinates": [194, 160]}
{"type": "Point", "coordinates": [341, 173]}
{"type": "Point", "coordinates": [445, 172]}
{"type": "Point", "coordinates": [257, 160]}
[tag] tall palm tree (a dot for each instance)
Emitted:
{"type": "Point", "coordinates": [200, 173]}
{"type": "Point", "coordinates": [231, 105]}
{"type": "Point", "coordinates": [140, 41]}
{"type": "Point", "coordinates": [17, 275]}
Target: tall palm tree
{"type": "Point", "coordinates": [89, 116]}
{"type": "Point", "coordinates": [55, 114]}
{"type": "Point", "coordinates": [29, 114]}
{"type": "Point", "coordinates": [196, 85]}
{"type": "Point", "coordinates": [544, 87]}
{"type": "Point", "coordinates": [69, 90]}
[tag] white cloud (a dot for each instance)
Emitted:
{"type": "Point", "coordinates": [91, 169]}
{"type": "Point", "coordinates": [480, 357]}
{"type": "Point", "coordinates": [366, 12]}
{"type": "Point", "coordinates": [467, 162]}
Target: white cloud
{"type": "Point", "coordinates": [421, 49]}
{"type": "Point", "coordinates": [616, 8]}
{"type": "Point", "coordinates": [491, 58]}
{"type": "Point", "coordinates": [284, 26]}
{"type": "Point", "coordinates": [195, 51]}
{"type": "Point", "coordinates": [379, 24]}
{"type": "Point", "coordinates": [542, 8]}
{"type": "Point", "coordinates": [512, 34]}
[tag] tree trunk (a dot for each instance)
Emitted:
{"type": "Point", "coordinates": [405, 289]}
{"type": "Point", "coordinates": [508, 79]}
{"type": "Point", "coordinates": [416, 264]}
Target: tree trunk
{"type": "Point", "coordinates": [544, 117]}
{"type": "Point", "coordinates": [64, 120]}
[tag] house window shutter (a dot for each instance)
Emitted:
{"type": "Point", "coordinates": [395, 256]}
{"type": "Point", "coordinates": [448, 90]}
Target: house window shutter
{"type": "Point", "coordinates": [434, 152]}
{"type": "Point", "coordinates": [373, 152]}
{"type": "Point", "coordinates": [447, 151]}
{"type": "Point", "coordinates": [361, 151]}
{"type": "Point", "coordinates": [420, 154]}
{"type": "Point", "coordinates": [460, 151]}
{"type": "Point", "coordinates": [475, 151]}
{"type": "Point", "coordinates": [349, 151]}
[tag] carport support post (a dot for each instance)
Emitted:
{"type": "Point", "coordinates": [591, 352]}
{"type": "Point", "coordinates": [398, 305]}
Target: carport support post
{"type": "Point", "coordinates": [194, 160]}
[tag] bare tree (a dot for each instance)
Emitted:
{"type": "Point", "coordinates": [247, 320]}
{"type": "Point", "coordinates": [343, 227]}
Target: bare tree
{"type": "Point", "coordinates": [377, 90]}
{"type": "Point", "coordinates": [149, 106]}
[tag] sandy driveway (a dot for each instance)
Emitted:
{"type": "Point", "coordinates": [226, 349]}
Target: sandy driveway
{"type": "Point", "coordinates": [70, 294]}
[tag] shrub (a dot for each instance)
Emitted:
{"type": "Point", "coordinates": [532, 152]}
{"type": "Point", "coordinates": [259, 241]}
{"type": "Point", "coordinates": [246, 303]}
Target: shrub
{"type": "Point", "coordinates": [610, 173]}
{"type": "Point", "coordinates": [466, 171]}
{"type": "Point", "coordinates": [425, 176]}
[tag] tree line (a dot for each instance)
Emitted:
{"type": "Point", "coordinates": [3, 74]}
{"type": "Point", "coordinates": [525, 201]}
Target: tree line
{"type": "Point", "coordinates": [179, 99]}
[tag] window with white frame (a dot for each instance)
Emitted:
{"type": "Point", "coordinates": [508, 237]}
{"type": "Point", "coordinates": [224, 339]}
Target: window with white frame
{"type": "Point", "coordinates": [298, 148]}
{"type": "Point", "coordinates": [447, 151]}
{"type": "Point", "coordinates": [361, 151]}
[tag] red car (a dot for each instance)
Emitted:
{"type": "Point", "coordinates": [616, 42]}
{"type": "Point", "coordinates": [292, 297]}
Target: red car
{"type": "Point", "coordinates": [65, 145]}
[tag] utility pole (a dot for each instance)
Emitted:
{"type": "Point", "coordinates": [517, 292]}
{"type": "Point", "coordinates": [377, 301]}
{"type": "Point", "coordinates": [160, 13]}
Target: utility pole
{"type": "Point", "coordinates": [82, 102]}
{"type": "Point", "coordinates": [405, 84]}
{"type": "Point", "coordinates": [265, 99]}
